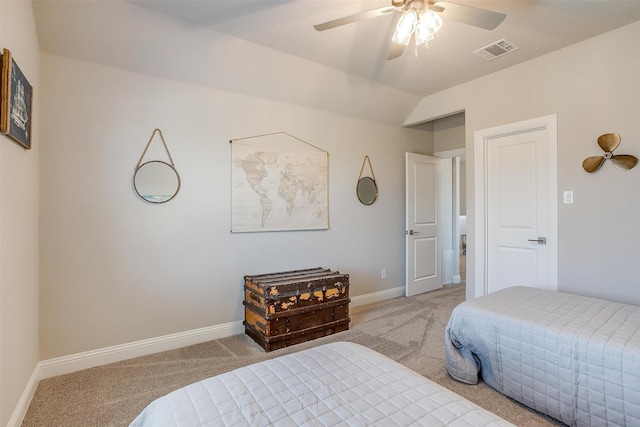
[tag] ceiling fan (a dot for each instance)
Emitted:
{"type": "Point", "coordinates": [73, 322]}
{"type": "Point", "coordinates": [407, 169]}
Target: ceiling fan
{"type": "Point", "coordinates": [420, 19]}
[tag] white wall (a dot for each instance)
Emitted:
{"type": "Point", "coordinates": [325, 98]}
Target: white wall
{"type": "Point", "coordinates": [594, 88]}
{"type": "Point", "coordinates": [116, 269]}
{"type": "Point", "coordinates": [19, 222]}
{"type": "Point", "coordinates": [448, 133]}
{"type": "Point", "coordinates": [124, 35]}
{"type": "Point", "coordinates": [463, 186]}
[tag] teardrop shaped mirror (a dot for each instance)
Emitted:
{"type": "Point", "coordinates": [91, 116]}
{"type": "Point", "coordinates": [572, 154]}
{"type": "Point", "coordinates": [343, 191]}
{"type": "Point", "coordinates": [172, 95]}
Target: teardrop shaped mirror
{"type": "Point", "coordinates": [156, 181]}
{"type": "Point", "coordinates": [367, 190]}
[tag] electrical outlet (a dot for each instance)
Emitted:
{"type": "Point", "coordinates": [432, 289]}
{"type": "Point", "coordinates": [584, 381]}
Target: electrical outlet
{"type": "Point", "coordinates": [383, 273]}
{"type": "Point", "coordinates": [568, 197]}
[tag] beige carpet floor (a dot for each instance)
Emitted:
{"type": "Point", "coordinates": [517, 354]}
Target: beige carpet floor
{"type": "Point", "coordinates": [408, 330]}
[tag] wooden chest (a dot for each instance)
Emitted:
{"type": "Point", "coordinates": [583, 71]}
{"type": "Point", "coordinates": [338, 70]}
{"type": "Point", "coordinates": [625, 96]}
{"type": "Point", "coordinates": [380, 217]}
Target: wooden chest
{"type": "Point", "coordinates": [287, 308]}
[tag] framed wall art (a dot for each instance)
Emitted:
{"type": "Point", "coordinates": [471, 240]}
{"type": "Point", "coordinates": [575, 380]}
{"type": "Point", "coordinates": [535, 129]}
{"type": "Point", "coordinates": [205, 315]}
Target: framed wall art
{"type": "Point", "coordinates": [15, 109]}
{"type": "Point", "coordinates": [278, 183]}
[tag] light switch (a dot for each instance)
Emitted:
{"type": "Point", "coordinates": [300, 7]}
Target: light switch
{"type": "Point", "coordinates": [568, 197]}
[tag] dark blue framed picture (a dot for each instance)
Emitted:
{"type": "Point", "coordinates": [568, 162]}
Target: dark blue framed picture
{"type": "Point", "coordinates": [17, 95]}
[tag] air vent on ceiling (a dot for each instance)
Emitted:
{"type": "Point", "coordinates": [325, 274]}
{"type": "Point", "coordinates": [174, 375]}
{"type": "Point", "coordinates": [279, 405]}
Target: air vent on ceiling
{"type": "Point", "coordinates": [496, 49]}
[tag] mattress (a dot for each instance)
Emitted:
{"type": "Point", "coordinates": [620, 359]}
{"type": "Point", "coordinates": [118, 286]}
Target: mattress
{"type": "Point", "coordinates": [337, 384]}
{"type": "Point", "coordinates": [572, 357]}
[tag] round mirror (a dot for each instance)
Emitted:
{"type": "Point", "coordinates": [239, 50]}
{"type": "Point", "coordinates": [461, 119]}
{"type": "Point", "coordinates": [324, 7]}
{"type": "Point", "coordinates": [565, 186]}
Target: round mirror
{"type": "Point", "coordinates": [156, 181]}
{"type": "Point", "coordinates": [367, 190]}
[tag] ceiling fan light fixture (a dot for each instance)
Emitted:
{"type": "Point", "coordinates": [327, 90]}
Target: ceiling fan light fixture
{"type": "Point", "coordinates": [429, 24]}
{"type": "Point", "coordinates": [405, 28]}
{"type": "Point", "coordinates": [419, 17]}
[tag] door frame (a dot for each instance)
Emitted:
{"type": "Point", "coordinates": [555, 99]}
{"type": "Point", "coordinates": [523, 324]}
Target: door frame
{"type": "Point", "coordinates": [453, 223]}
{"type": "Point", "coordinates": [481, 139]}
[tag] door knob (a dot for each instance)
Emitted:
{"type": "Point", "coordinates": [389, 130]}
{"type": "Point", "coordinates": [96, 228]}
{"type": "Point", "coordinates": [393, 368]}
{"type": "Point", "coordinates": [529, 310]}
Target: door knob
{"type": "Point", "coordinates": [411, 232]}
{"type": "Point", "coordinates": [541, 240]}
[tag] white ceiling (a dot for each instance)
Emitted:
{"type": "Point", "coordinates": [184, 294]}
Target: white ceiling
{"type": "Point", "coordinates": [536, 26]}
{"type": "Point", "coordinates": [269, 48]}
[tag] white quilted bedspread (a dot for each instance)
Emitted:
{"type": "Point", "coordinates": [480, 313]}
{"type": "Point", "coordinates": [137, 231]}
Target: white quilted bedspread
{"type": "Point", "coordinates": [337, 384]}
{"type": "Point", "coordinates": [574, 358]}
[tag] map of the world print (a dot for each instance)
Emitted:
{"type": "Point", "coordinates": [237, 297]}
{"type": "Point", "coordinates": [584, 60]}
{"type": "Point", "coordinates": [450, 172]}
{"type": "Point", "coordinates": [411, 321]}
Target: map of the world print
{"type": "Point", "coordinates": [277, 185]}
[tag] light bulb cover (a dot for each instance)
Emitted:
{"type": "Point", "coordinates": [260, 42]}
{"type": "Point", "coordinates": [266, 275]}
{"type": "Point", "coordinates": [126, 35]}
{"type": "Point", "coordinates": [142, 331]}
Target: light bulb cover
{"type": "Point", "coordinates": [429, 23]}
{"type": "Point", "coordinates": [405, 28]}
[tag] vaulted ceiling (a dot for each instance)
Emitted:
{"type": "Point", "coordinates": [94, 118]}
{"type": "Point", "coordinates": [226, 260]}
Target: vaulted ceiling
{"type": "Point", "coordinates": [360, 48]}
{"type": "Point", "coordinates": [140, 35]}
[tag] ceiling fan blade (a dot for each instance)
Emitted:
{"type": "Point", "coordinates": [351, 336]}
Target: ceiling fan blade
{"type": "Point", "coordinates": [624, 162]}
{"type": "Point", "coordinates": [360, 16]}
{"type": "Point", "coordinates": [482, 18]}
{"type": "Point", "coordinates": [592, 164]}
{"type": "Point", "coordinates": [395, 51]}
{"type": "Point", "coordinates": [609, 141]}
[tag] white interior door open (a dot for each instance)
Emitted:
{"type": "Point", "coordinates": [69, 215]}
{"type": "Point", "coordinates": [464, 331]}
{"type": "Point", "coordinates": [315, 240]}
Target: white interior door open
{"type": "Point", "coordinates": [516, 216]}
{"type": "Point", "coordinates": [423, 231]}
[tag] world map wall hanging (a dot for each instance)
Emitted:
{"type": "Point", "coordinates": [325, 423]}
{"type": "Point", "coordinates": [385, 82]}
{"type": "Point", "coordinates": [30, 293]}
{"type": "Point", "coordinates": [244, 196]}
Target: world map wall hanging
{"type": "Point", "coordinates": [278, 182]}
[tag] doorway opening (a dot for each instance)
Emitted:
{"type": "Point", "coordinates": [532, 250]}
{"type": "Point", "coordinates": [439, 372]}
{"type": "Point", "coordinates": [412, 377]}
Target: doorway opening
{"type": "Point", "coordinates": [449, 142]}
{"type": "Point", "coordinates": [454, 216]}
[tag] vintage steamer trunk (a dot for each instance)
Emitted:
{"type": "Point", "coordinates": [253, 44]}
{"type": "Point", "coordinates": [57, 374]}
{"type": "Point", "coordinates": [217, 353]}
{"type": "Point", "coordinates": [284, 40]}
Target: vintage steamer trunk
{"type": "Point", "coordinates": [283, 309]}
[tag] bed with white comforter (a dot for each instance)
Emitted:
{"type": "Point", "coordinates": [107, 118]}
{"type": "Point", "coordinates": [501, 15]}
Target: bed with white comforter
{"type": "Point", "coordinates": [337, 384]}
{"type": "Point", "coordinates": [572, 357]}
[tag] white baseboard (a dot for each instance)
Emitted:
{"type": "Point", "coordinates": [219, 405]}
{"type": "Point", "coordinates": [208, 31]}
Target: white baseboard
{"type": "Point", "coordinates": [376, 296]}
{"type": "Point", "coordinates": [25, 400]}
{"type": "Point", "coordinates": [76, 362]}
{"type": "Point", "coordinates": [89, 359]}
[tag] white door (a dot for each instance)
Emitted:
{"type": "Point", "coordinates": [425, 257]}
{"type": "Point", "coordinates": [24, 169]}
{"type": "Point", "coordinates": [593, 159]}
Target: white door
{"type": "Point", "coordinates": [520, 207]}
{"type": "Point", "coordinates": [423, 243]}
